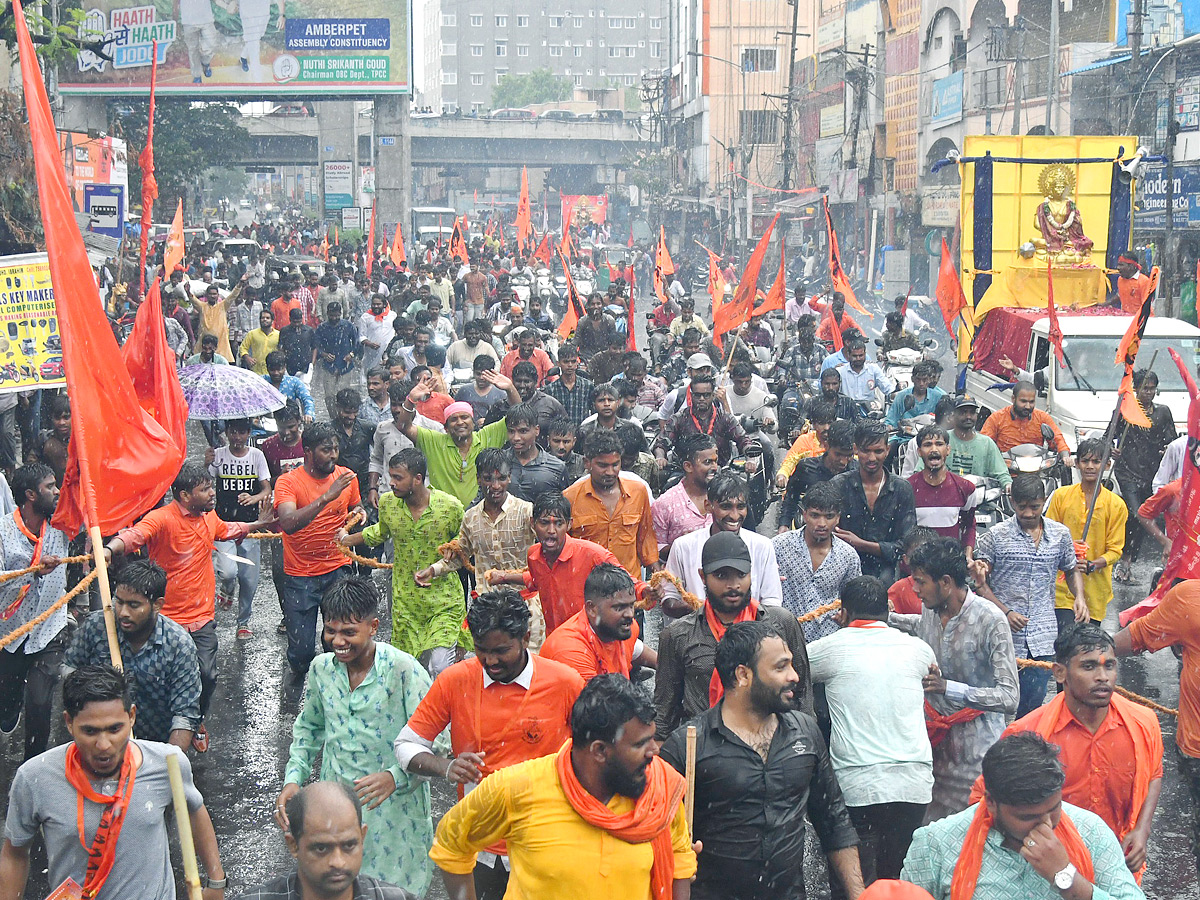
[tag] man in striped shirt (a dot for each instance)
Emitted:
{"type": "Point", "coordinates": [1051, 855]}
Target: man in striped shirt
{"type": "Point", "coordinates": [944, 501]}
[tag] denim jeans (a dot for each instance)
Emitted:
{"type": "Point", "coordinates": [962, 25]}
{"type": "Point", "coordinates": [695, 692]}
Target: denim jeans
{"type": "Point", "coordinates": [1033, 682]}
{"type": "Point", "coordinates": [244, 575]}
{"type": "Point", "coordinates": [301, 601]}
{"type": "Point", "coordinates": [205, 639]}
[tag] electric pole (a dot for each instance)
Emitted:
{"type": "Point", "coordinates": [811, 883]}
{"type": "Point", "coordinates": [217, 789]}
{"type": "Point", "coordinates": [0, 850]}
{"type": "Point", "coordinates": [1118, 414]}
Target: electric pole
{"type": "Point", "coordinates": [1052, 67]}
{"type": "Point", "coordinates": [790, 104]}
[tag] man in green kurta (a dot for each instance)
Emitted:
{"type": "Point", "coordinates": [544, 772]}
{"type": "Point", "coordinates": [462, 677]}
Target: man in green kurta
{"type": "Point", "coordinates": [451, 455]}
{"type": "Point", "coordinates": [359, 698]}
{"type": "Point", "coordinates": [426, 621]}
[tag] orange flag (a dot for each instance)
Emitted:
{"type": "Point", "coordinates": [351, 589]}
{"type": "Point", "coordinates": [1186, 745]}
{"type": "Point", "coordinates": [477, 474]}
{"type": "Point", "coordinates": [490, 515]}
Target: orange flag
{"type": "Point", "coordinates": [949, 290]}
{"type": "Point", "coordinates": [370, 243]}
{"type": "Point", "coordinates": [716, 287]}
{"type": "Point", "coordinates": [1131, 410]}
{"type": "Point", "coordinates": [115, 444]}
{"type": "Point", "coordinates": [146, 162]}
{"type": "Point", "coordinates": [524, 222]}
{"type": "Point", "coordinates": [663, 266]}
{"type": "Point", "coordinates": [542, 253]}
{"type": "Point", "coordinates": [325, 248]}
{"type": "Point", "coordinates": [1052, 314]}
{"type": "Point", "coordinates": [337, 241]}
{"type": "Point", "coordinates": [151, 365]}
{"type": "Point", "coordinates": [775, 296]}
{"type": "Point", "coordinates": [574, 305]}
{"type": "Point", "coordinates": [458, 247]}
{"type": "Point", "coordinates": [173, 253]}
{"type": "Point", "coordinates": [734, 313]}
{"type": "Point", "coordinates": [837, 274]}
{"type": "Point", "coordinates": [398, 254]}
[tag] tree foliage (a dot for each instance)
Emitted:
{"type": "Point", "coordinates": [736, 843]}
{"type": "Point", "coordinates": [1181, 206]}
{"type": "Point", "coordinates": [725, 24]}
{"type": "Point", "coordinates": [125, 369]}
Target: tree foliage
{"type": "Point", "coordinates": [538, 86]}
{"type": "Point", "coordinates": [20, 218]}
{"type": "Point", "coordinates": [188, 139]}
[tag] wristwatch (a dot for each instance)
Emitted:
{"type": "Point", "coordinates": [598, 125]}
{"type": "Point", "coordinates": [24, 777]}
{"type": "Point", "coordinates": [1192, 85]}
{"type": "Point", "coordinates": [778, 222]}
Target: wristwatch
{"type": "Point", "coordinates": [1065, 878]}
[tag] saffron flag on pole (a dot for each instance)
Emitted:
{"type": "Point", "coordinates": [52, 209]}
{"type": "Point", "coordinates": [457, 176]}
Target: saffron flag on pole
{"type": "Point", "coordinates": [542, 253]}
{"type": "Point", "coordinates": [663, 266]}
{"type": "Point", "coordinates": [151, 366]}
{"type": "Point", "coordinates": [1183, 559]}
{"type": "Point", "coordinates": [776, 295]}
{"type": "Point", "coordinates": [716, 287]}
{"type": "Point", "coordinates": [837, 275]}
{"type": "Point", "coordinates": [146, 163]}
{"type": "Point", "coordinates": [398, 254]}
{"type": "Point", "coordinates": [458, 247]}
{"type": "Point", "coordinates": [1127, 352]}
{"type": "Point", "coordinates": [734, 314]}
{"type": "Point", "coordinates": [115, 444]}
{"type": "Point", "coordinates": [1056, 335]}
{"type": "Point", "coordinates": [574, 306]}
{"type": "Point", "coordinates": [524, 223]}
{"type": "Point", "coordinates": [949, 291]}
{"type": "Point", "coordinates": [173, 252]}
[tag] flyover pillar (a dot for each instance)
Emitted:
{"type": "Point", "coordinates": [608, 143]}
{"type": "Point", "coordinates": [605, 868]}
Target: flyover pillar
{"type": "Point", "coordinates": [393, 164]}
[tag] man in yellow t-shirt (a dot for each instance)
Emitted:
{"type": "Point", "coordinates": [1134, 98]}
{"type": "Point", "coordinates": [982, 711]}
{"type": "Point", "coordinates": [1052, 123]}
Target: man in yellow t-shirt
{"type": "Point", "coordinates": [591, 821]}
{"type": "Point", "coordinates": [1105, 539]}
{"type": "Point", "coordinates": [259, 342]}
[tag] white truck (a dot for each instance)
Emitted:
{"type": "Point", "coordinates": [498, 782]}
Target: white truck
{"type": "Point", "coordinates": [1080, 398]}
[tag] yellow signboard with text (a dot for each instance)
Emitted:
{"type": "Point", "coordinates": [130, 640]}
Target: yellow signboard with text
{"type": "Point", "coordinates": [30, 345]}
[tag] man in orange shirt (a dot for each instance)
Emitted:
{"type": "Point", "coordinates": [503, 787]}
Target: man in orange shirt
{"type": "Point", "coordinates": [602, 638]}
{"type": "Point", "coordinates": [180, 537]}
{"type": "Point", "coordinates": [558, 564]}
{"type": "Point", "coordinates": [1177, 621]}
{"type": "Point", "coordinates": [612, 511]}
{"type": "Point", "coordinates": [836, 317]}
{"type": "Point", "coordinates": [312, 503]}
{"type": "Point", "coordinates": [1132, 285]}
{"type": "Point", "coordinates": [1022, 423]}
{"type": "Point", "coordinates": [505, 705]}
{"type": "Point", "coordinates": [1166, 503]}
{"type": "Point", "coordinates": [527, 350]}
{"type": "Point", "coordinates": [1110, 748]}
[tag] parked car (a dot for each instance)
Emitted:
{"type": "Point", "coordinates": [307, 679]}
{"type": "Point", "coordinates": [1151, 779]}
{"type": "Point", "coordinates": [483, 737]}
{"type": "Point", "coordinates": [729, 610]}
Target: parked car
{"type": "Point", "coordinates": [511, 113]}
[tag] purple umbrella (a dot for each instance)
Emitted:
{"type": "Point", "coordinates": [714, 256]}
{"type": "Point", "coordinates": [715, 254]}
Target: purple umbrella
{"type": "Point", "coordinates": [216, 391]}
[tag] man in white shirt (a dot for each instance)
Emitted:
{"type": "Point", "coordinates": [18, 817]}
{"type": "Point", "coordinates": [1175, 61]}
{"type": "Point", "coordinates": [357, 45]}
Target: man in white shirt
{"type": "Point", "coordinates": [1171, 466]}
{"type": "Point", "coordinates": [196, 19]}
{"type": "Point", "coordinates": [748, 397]}
{"type": "Point", "coordinates": [375, 329]}
{"type": "Point", "coordinates": [727, 511]}
{"type": "Point", "coordinates": [860, 378]}
{"type": "Point", "coordinates": [878, 741]}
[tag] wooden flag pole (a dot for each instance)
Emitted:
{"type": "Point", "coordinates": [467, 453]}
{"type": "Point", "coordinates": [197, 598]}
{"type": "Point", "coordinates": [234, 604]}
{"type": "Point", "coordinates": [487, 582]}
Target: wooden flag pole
{"type": "Point", "coordinates": [689, 799]}
{"type": "Point", "coordinates": [187, 847]}
{"type": "Point", "coordinates": [110, 618]}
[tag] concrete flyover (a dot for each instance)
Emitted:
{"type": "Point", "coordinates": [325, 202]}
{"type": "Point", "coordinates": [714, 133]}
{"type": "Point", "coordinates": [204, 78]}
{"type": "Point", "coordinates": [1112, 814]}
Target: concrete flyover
{"type": "Point", "coordinates": [451, 141]}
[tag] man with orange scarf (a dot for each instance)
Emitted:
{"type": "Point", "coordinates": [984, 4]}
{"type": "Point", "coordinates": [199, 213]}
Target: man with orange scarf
{"type": "Point", "coordinates": [687, 683]}
{"type": "Point", "coordinates": [602, 638]}
{"type": "Point", "coordinates": [98, 802]}
{"type": "Point", "coordinates": [1021, 840]}
{"type": "Point", "coordinates": [761, 767]}
{"type": "Point", "coordinates": [1111, 748]}
{"type": "Point", "coordinates": [973, 687]}
{"type": "Point", "coordinates": [560, 814]}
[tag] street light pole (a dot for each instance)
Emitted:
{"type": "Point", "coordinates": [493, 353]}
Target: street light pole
{"type": "Point", "coordinates": [790, 103]}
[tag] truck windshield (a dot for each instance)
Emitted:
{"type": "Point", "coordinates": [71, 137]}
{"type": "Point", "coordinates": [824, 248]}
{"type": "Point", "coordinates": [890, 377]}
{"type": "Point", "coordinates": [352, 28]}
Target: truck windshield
{"type": "Point", "coordinates": [1092, 366]}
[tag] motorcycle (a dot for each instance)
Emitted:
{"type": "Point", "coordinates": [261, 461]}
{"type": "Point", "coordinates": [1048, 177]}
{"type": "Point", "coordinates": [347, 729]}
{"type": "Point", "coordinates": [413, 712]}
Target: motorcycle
{"type": "Point", "coordinates": [992, 508]}
{"type": "Point", "coordinates": [585, 280]}
{"type": "Point", "coordinates": [521, 286]}
{"type": "Point", "coordinates": [660, 339]}
{"type": "Point", "coordinates": [1038, 459]}
{"type": "Point", "coordinates": [757, 463]}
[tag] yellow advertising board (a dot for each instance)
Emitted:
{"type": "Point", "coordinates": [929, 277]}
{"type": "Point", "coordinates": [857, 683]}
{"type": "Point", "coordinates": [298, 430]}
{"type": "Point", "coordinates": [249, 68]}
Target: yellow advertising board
{"type": "Point", "coordinates": [30, 346]}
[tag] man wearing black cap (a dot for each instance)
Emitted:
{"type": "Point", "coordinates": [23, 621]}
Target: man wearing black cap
{"type": "Point", "coordinates": [972, 453]}
{"type": "Point", "coordinates": [685, 685]}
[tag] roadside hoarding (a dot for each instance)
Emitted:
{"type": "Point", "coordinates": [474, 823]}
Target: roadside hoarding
{"type": "Point", "coordinates": [585, 209]}
{"type": "Point", "coordinates": [339, 185]}
{"type": "Point", "coordinates": [30, 347]}
{"type": "Point", "coordinates": [306, 48]}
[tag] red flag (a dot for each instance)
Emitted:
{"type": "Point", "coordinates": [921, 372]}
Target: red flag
{"type": "Point", "coordinates": [778, 291]}
{"type": "Point", "coordinates": [735, 313]}
{"type": "Point", "coordinates": [173, 252]}
{"type": "Point", "coordinates": [114, 443]}
{"type": "Point", "coordinates": [146, 162]}
{"type": "Point", "coordinates": [613, 273]}
{"type": "Point", "coordinates": [949, 290]}
{"type": "Point", "coordinates": [398, 254]}
{"type": "Point", "coordinates": [574, 306]}
{"type": "Point", "coordinates": [151, 365]}
{"type": "Point", "coordinates": [370, 242]}
{"type": "Point", "coordinates": [837, 274]}
{"type": "Point", "coordinates": [1183, 560]}
{"type": "Point", "coordinates": [904, 308]}
{"type": "Point", "coordinates": [1056, 336]}
{"type": "Point", "coordinates": [524, 223]}
{"type": "Point", "coordinates": [542, 253]}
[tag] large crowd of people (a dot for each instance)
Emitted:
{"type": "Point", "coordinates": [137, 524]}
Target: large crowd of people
{"type": "Point", "coordinates": [937, 701]}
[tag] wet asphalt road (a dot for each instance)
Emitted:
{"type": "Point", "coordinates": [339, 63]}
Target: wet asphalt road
{"type": "Point", "coordinates": [252, 713]}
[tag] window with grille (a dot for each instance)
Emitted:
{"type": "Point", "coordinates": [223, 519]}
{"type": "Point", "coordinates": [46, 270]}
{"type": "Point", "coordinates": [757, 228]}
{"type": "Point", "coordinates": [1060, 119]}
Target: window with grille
{"type": "Point", "coordinates": [759, 59]}
{"type": "Point", "coordinates": [759, 126]}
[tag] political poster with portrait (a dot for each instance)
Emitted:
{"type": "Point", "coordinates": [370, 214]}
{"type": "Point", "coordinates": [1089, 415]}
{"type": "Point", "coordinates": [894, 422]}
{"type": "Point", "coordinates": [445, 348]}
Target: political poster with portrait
{"type": "Point", "coordinates": [582, 210]}
{"type": "Point", "coordinates": [308, 48]}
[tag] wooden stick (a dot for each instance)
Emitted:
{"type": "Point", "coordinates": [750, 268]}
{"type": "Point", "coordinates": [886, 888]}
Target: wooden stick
{"type": "Point", "coordinates": [191, 871]}
{"type": "Point", "coordinates": [689, 799]}
{"type": "Point", "coordinates": [110, 618]}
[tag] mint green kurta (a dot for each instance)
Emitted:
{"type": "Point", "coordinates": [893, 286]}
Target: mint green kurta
{"type": "Point", "coordinates": [353, 731]}
{"type": "Point", "coordinates": [422, 618]}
